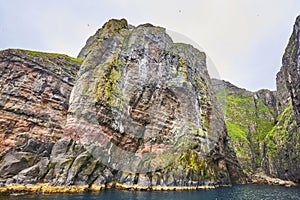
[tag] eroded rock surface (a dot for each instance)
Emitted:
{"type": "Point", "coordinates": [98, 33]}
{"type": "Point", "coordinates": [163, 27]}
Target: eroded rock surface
{"type": "Point", "coordinates": [250, 116]}
{"type": "Point", "coordinates": [145, 105]}
{"type": "Point", "coordinates": [34, 93]}
{"type": "Point", "coordinates": [27, 162]}
{"type": "Point", "coordinates": [284, 139]}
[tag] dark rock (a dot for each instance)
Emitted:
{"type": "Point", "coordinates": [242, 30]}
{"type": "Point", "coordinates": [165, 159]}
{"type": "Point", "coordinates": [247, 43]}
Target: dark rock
{"type": "Point", "coordinates": [143, 181]}
{"type": "Point", "coordinates": [128, 178]}
{"type": "Point", "coordinates": [14, 162]}
{"type": "Point", "coordinates": [28, 161]}
{"type": "Point", "coordinates": [284, 140]}
{"type": "Point", "coordinates": [100, 181]}
{"type": "Point", "coordinates": [34, 173]}
{"type": "Point", "coordinates": [169, 180]}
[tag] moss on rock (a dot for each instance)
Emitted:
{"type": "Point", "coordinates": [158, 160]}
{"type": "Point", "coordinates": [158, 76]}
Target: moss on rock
{"type": "Point", "coordinates": [248, 120]}
{"type": "Point", "coordinates": [108, 89]}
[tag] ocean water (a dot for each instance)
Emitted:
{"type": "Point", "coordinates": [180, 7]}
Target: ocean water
{"type": "Point", "coordinates": [238, 192]}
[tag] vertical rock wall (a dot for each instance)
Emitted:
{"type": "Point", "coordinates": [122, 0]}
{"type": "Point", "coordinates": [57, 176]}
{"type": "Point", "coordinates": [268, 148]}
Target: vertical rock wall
{"type": "Point", "coordinates": [249, 118]}
{"type": "Point", "coordinates": [284, 139]}
{"type": "Point", "coordinates": [34, 94]}
{"type": "Point", "coordinates": [146, 104]}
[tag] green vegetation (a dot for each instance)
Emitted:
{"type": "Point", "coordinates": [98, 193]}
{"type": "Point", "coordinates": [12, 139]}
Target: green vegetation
{"type": "Point", "coordinates": [282, 143]}
{"type": "Point", "coordinates": [206, 103]}
{"type": "Point", "coordinates": [260, 138]}
{"type": "Point", "coordinates": [47, 54]}
{"type": "Point", "coordinates": [196, 165]}
{"type": "Point", "coordinates": [182, 68]}
{"type": "Point", "coordinates": [236, 131]}
{"type": "Point", "coordinates": [108, 87]}
{"type": "Point", "coordinates": [280, 132]}
{"type": "Point", "coordinates": [248, 121]}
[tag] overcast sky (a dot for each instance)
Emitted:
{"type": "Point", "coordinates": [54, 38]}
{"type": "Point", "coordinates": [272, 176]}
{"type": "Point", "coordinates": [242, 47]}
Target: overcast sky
{"type": "Point", "coordinates": [244, 38]}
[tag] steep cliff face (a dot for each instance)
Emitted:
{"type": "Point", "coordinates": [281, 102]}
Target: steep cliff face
{"type": "Point", "coordinates": [264, 126]}
{"type": "Point", "coordinates": [34, 94]}
{"type": "Point", "coordinates": [250, 116]}
{"type": "Point", "coordinates": [142, 112]}
{"type": "Point", "coordinates": [284, 139]}
{"type": "Point", "coordinates": [34, 99]}
{"type": "Point", "coordinates": [144, 105]}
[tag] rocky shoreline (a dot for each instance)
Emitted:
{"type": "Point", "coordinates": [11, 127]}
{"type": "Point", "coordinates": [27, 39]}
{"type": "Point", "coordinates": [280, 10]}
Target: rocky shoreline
{"type": "Point", "coordinates": [259, 178]}
{"type": "Point", "coordinates": [262, 178]}
{"type": "Point", "coordinates": [46, 188]}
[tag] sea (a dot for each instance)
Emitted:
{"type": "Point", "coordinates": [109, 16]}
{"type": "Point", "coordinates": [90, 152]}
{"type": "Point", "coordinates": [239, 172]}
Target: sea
{"type": "Point", "coordinates": [237, 192]}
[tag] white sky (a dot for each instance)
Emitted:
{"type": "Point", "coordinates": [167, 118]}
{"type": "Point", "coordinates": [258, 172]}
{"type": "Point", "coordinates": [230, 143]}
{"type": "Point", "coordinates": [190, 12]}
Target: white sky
{"type": "Point", "coordinates": [244, 38]}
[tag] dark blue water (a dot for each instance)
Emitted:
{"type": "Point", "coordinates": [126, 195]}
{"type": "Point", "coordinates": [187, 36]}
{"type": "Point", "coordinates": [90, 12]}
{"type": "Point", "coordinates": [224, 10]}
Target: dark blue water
{"type": "Point", "coordinates": [239, 192]}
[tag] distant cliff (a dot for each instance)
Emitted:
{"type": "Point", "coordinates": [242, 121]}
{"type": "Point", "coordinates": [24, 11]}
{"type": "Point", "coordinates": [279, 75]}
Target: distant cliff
{"type": "Point", "coordinates": [264, 125]}
{"type": "Point", "coordinates": [142, 113]}
{"type": "Point", "coordinates": [250, 116]}
{"type": "Point", "coordinates": [284, 139]}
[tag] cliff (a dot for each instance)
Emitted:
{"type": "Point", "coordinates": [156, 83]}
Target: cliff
{"type": "Point", "coordinates": [264, 125]}
{"type": "Point", "coordinates": [34, 99]}
{"type": "Point", "coordinates": [284, 139]}
{"type": "Point", "coordinates": [34, 94]}
{"type": "Point", "coordinates": [142, 113]}
{"type": "Point", "coordinates": [263, 129]}
{"type": "Point", "coordinates": [250, 116]}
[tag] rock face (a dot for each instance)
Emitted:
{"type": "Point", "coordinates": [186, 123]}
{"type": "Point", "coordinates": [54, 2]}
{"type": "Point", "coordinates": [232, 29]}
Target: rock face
{"type": "Point", "coordinates": [34, 98]}
{"type": "Point", "coordinates": [263, 128]}
{"type": "Point", "coordinates": [27, 162]}
{"type": "Point", "coordinates": [250, 116]}
{"type": "Point", "coordinates": [143, 104]}
{"type": "Point", "coordinates": [34, 94]}
{"type": "Point", "coordinates": [264, 125]}
{"type": "Point", "coordinates": [284, 139]}
{"type": "Point", "coordinates": [142, 112]}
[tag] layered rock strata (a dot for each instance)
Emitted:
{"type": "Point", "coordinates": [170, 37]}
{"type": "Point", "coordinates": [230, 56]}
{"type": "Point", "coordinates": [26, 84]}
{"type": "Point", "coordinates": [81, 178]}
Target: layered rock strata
{"type": "Point", "coordinates": [144, 106]}
{"type": "Point", "coordinates": [34, 93]}
{"type": "Point", "coordinates": [142, 114]}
